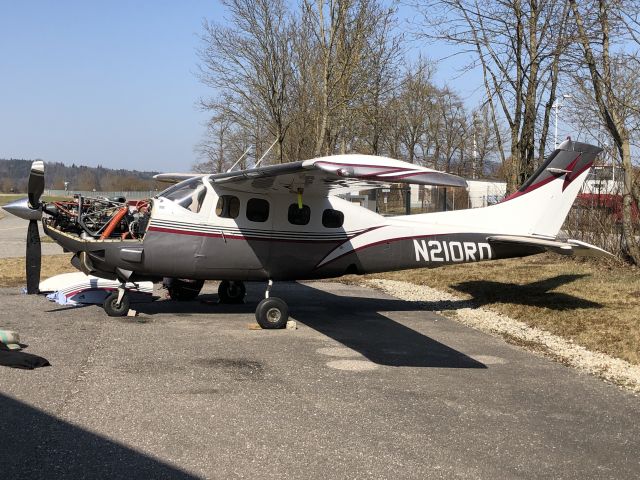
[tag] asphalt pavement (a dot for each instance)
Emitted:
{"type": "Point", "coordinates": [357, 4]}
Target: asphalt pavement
{"type": "Point", "coordinates": [367, 387]}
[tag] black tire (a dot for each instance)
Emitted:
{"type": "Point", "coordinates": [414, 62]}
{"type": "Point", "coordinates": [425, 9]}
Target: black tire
{"type": "Point", "coordinates": [231, 292]}
{"type": "Point", "coordinates": [110, 305]}
{"type": "Point", "coordinates": [272, 313]}
{"type": "Point", "coordinates": [182, 289]}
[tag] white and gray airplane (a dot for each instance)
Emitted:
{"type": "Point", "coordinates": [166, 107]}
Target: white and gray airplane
{"type": "Point", "coordinates": [286, 222]}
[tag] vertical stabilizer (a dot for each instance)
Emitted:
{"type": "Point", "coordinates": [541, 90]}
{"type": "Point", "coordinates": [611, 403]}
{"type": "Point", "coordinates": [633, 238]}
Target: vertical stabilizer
{"type": "Point", "coordinates": [542, 203]}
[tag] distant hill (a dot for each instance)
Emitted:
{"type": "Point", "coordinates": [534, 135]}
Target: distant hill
{"type": "Point", "coordinates": [14, 175]}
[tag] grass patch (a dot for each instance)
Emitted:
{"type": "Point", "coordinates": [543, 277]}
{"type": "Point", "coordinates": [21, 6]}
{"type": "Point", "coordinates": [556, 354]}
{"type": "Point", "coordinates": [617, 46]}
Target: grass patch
{"type": "Point", "coordinates": [12, 270]}
{"type": "Point", "coordinates": [10, 197]}
{"type": "Point", "coordinates": [597, 305]}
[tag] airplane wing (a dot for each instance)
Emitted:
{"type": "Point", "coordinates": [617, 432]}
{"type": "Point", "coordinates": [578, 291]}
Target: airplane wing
{"type": "Point", "coordinates": [565, 247]}
{"type": "Point", "coordinates": [177, 177]}
{"type": "Point", "coordinates": [334, 174]}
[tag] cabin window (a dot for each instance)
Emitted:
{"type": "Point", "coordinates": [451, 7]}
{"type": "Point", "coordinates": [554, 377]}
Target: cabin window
{"type": "Point", "coordinates": [188, 194]}
{"type": "Point", "coordinates": [332, 218]}
{"type": "Point", "coordinates": [228, 206]}
{"type": "Point", "coordinates": [257, 210]}
{"type": "Point", "coordinates": [299, 216]}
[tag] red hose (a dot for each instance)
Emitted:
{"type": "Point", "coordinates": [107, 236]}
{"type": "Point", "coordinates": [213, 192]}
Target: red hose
{"type": "Point", "coordinates": [113, 223]}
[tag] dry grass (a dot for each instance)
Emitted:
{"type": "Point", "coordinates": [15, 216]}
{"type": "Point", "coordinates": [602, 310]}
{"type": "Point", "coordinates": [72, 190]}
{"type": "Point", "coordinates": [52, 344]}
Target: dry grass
{"type": "Point", "coordinates": [12, 270]}
{"type": "Point", "coordinates": [10, 197]}
{"type": "Point", "coordinates": [597, 305]}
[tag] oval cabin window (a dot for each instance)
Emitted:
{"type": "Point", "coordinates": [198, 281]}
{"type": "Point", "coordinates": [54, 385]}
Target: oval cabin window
{"type": "Point", "coordinates": [299, 216]}
{"type": "Point", "coordinates": [332, 218]}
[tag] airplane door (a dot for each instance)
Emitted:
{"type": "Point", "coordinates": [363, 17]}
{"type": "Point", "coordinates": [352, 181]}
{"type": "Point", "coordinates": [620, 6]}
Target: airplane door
{"type": "Point", "coordinates": [238, 234]}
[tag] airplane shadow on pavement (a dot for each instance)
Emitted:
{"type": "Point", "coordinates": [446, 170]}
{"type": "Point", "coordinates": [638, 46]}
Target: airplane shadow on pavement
{"type": "Point", "coordinates": [37, 445]}
{"type": "Point", "coordinates": [355, 322]}
{"type": "Point", "coordinates": [537, 294]}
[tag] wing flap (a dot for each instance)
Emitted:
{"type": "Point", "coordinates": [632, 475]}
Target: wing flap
{"type": "Point", "coordinates": [564, 247]}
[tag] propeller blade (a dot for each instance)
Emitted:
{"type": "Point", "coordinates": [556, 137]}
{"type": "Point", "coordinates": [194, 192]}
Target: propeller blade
{"type": "Point", "coordinates": [34, 257]}
{"type": "Point", "coordinates": [36, 183]}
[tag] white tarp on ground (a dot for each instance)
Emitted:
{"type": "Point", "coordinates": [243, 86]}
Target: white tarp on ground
{"type": "Point", "coordinates": [77, 288]}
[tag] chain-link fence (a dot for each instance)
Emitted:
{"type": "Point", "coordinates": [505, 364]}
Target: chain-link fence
{"type": "Point", "coordinates": [130, 195]}
{"type": "Point", "coordinates": [411, 199]}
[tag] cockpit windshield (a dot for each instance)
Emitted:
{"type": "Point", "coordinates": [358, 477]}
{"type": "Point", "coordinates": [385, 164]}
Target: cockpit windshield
{"type": "Point", "coordinates": [188, 194]}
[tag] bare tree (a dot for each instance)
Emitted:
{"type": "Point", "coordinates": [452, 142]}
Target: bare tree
{"type": "Point", "coordinates": [340, 32]}
{"type": "Point", "coordinates": [381, 64]}
{"type": "Point", "coordinates": [517, 44]}
{"type": "Point", "coordinates": [417, 107]}
{"type": "Point", "coordinates": [249, 63]}
{"type": "Point", "coordinates": [213, 147]}
{"type": "Point", "coordinates": [607, 74]}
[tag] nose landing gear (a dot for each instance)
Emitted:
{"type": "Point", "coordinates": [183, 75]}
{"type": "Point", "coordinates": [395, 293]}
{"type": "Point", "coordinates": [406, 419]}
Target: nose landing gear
{"type": "Point", "coordinates": [117, 303]}
{"type": "Point", "coordinates": [272, 312]}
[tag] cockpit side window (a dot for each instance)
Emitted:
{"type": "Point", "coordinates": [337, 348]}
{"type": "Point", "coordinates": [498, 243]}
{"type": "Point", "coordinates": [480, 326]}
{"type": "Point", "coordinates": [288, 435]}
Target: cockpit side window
{"type": "Point", "coordinates": [228, 206]}
{"type": "Point", "coordinates": [257, 210]}
{"type": "Point", "coordinates": [189, 194]}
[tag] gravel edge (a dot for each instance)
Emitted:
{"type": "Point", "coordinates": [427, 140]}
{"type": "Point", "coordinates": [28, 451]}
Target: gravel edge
{"type": "Point", "coordinates": [615, 370]}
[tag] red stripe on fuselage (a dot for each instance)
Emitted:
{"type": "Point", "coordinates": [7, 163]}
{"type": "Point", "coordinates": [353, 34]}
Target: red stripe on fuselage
{"type": "Point", "coordinates": [568, 179]}
{"type": "Point", "coordinates": [369, 245]}
{"type": "Point", "coordinates": [249, 237]}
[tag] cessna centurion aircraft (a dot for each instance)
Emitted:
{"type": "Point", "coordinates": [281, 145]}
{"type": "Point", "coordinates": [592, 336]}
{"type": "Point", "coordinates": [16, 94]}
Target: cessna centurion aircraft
{"type": "Point", "coordinates": [285, 222]}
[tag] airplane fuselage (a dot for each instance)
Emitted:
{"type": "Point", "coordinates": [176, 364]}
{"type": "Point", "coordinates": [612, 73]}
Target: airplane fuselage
{"type": "Point", "coordinates": [280, 241]}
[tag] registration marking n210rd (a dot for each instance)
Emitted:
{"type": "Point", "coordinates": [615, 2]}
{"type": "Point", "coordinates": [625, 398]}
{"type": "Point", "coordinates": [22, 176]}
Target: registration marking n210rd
{"type": "Point", "coordinates": [451, 251]}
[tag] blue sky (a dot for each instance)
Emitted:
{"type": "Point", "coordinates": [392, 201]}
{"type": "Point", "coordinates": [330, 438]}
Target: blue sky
{"type": "Point", "coordinates": [109, 83]}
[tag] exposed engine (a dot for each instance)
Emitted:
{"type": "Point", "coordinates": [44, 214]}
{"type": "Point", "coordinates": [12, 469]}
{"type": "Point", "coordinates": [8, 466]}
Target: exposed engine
{"type": "Point", "coordinates": [100, 217]}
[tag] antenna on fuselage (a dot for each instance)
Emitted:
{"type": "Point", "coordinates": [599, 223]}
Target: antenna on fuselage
{"type": "Point", "coordinates": [265, 153]}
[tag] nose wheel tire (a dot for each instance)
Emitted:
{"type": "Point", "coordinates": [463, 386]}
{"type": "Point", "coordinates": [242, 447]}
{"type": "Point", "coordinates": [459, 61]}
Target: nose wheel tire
{"type": "Point", "coordinates": [272, 313]}
{"type": "Point", "coordinates": [112, 308]}
{"type": "Point", "coordinates": [231, 292]}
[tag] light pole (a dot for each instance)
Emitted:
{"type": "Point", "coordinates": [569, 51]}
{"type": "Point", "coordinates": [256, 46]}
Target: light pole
{"type": "Point", "coordinates": [557, 104]}
{"type": "Point", "coordinates": [474, 166]}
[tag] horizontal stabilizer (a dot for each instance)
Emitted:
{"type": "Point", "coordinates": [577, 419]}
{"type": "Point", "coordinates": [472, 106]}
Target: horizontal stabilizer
{"type": "Point", "coordinates": [565, 247]}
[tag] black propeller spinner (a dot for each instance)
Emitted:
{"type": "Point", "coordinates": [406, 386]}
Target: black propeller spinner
{"type": "Point", "coordinates": [34, 251]}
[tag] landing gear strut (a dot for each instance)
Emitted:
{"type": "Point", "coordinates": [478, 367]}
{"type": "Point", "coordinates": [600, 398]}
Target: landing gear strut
{"type": "Point", "coordinates": [272, 312]}
{"type": "Point", "coordinates": [117, 303]}
{"type": "Point", "coordinates": [231, 292]}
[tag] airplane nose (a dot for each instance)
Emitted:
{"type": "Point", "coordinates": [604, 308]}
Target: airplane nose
{"type": "Point", "coordinates": [20, 208]}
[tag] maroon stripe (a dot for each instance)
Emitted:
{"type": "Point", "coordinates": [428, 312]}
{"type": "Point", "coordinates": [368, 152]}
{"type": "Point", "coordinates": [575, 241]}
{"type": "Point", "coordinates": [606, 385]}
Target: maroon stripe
{"type": "Point", "coordinates": [549, 179]}
{"type": "Point", "coordinates": [388, 169]}
{"type": "Point", "coordinates": [530, 189]}
{"type": "Point", "coordinates": [568, 181]}
{"type": "Point", "coordinates": [239, 237]}
{"type": "Point", "coordinates": [389, 240]}
{"type": "Point", "coordinates": [95, 289]}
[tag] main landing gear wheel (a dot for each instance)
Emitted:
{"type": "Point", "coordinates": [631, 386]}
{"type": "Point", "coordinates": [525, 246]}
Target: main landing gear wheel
{"type": "Point", "coordinates": [272, 313]}
{"type": "Point", "coordinates": [231, 292]}
{"type": "Point", "coordinates": [112, 308]}
{"type": "Point", "coordinates": [183, 289]}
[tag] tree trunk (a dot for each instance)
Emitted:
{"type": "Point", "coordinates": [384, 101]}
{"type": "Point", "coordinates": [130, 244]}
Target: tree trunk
{"type": "Point", "coordinates": [627, 204]}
